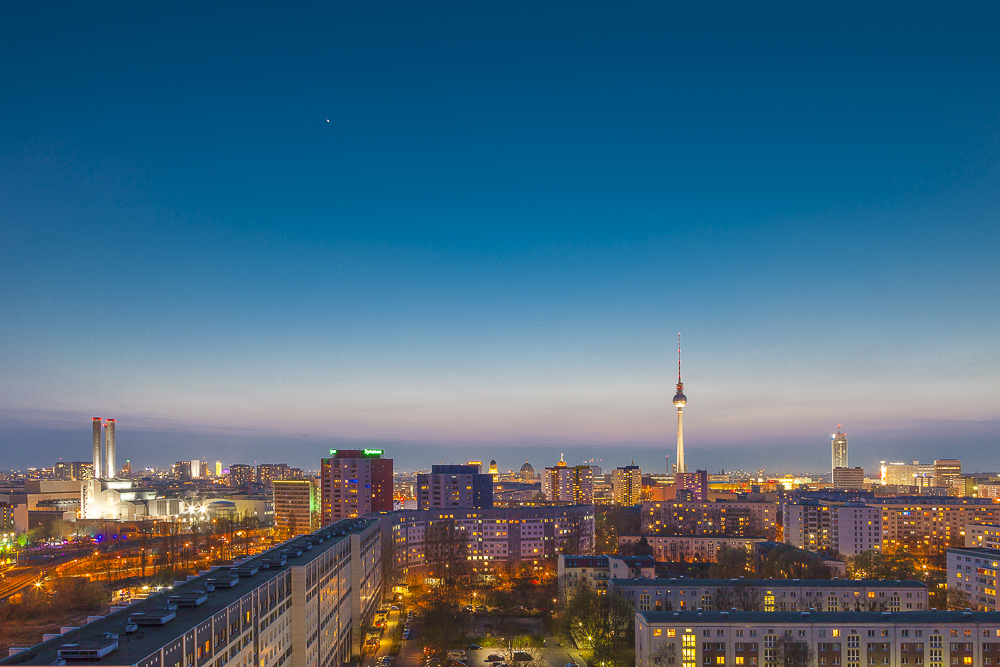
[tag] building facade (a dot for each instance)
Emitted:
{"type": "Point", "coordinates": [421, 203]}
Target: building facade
{"type": "Point", "coordinates": [848, 478]}
{"type": "Point", "coordinates": [838, 450]}
{"type": "Point", "coordinates": [570, 484]}
{"type": "Point", "coordinates": [772, 594]}
{"type": "Point", "coordinates": [846, 529]}
{"type": "Point", "coordinates": [596, 572]}
{"type": "Point", "coordinates": [973, 571]}
{"type": "Point", "coordinates": [481, 540]}
{"type": "Point", "coordinates": [626, 485]}
{"type": "Point", "coordinates": [449, 486]}
{"type": "Point", "coordinates": [729, 518]}
{"type": "Point", "coordinates": [354, 482]}
{"type": "Point", "coordinates": [691, 548]}
{"type": "Point", "coordinates": [849, 639]}
{"type": "Point", "coordinates": [296, 507]}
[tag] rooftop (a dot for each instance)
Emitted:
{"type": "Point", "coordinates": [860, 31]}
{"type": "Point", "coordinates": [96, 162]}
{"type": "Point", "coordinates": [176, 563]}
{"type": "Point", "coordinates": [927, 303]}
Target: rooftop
{"type": "Point", "coordinates": [134, 647]}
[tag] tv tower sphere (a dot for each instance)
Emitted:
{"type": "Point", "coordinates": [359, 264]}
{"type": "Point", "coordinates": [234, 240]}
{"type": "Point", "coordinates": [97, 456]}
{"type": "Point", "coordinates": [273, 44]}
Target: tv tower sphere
{"type": "Point", "coordinates": [680, 400]}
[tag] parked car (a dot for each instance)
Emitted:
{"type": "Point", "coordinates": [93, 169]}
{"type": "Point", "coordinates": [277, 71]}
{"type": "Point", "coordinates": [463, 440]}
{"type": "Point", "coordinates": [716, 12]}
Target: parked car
{"type": "Point", "coordinates": [571, 664]}
{"type": "Point", "coordinates": [493, 657]}
{"type": "Point", "coordinates": [473, 647]}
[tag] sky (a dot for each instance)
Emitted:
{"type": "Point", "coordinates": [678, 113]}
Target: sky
{"type": "Point", "coordinates": [474, 230]}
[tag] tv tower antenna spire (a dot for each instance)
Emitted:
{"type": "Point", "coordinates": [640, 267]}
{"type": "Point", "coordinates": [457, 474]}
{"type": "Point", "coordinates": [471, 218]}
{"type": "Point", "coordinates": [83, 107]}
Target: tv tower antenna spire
{"type": "Point", "coordinates": [680, 400]}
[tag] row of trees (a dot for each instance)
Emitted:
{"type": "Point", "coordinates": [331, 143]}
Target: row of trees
{"type": "Point", "coordinates": [782, 561]}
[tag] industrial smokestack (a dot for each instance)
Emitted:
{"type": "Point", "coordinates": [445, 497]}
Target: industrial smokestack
{"type": "Point", "coordinates": [109, 448]}
{"type": "Point", "coordinates": [97, 448]}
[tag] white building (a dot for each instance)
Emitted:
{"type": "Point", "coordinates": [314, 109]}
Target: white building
{"type": "Point", "coordinates": [847, 529]}
{"type": "Point", "coordinates": [974, 572]}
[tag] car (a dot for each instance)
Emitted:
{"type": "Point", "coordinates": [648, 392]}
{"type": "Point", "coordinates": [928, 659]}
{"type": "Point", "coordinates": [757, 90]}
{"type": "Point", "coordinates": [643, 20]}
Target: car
{"type": "Point", "coordinates": [493, 657]}
{"type": "Point", "coordinates": [394, 608]}
{"type": "Point", "coordinates": [571, 664]}
{"type": "Point", "coordinates": [473, 647]}
{"type": "Point", "coordinates": [467, 608]}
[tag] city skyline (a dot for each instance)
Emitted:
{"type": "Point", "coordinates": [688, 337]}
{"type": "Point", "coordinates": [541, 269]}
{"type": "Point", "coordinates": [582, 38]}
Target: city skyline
{"type": "Point", "coordinates": [456, 228]}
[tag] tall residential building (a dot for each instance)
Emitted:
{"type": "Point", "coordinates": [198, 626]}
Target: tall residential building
{"type": "Point", "coordinates": [354, 482]}
{"type": "Point", "coordinates": [268, 472]}
{"type": "Point", "coordinates": [838, 447]}
{"type": "Point", "coordinates": [296, 507]}
{"type": "Point", "coordinates": [680, 400]}
{"type": "Point", "coordinates": [848, 478]}
{"type": "Point", "coordinates": [241, 476]}
{"type": "Point", "coordinates": [626, 485]}
{"type": "Point", "coordinates": [692, 486]}
{"type": "Point", "coordinates": [477, 464]}
{"type": "Point", "coordinates": [454, 486]}
{"type": "Point", "coordinates": [573, 485]}
{"type": "Point", "coordinates": [847, 529]}
{"type": "Point", "coordinates": [947, 472]}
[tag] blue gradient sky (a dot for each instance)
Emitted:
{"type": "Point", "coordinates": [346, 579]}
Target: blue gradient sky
{"type": "Point", "coordinates": [489, 248]}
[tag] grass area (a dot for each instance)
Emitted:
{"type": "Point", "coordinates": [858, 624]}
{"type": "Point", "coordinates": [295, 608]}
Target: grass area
{"type": "Point", "coordinates": [536, 641]}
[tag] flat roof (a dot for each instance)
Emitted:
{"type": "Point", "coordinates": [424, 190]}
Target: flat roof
{"type": "Point", "coordinates": [826, 617]}
{"type": "Point", "coordinates": [135, 646]}
{"type": "Point", "coordinates": [770, 583]}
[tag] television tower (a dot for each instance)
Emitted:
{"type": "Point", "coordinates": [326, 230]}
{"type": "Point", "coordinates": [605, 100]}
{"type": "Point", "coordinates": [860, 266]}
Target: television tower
{"type": "Point", "coordinates": [680, 400]}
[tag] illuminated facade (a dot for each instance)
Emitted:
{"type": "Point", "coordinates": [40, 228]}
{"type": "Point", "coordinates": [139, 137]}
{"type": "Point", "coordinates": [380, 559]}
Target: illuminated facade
{"type": "Point", "coordinates": [450, 486]}
{"type": "Point", "coordinates": [296, 507]}
{"type": "Point", "coordinates": [626, 485]}
{"type": "Point", "coordinates": [573, 485]}
{"type": "Point", "coordinates": [974, 572]}
{"type": "Point", "coordinates": [838, 447]}
{"type": "Point", "coordinates": [354, 482]}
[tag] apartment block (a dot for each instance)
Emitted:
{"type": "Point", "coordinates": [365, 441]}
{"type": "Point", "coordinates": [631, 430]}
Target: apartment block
{"type": "Point", "coordinates": [851, 639]}
{"type": "Point", "coordinates": [488, 538]}
{"type": "Point", "coordinates": [731, 518]}
{"type": "Point", "coordinates": [304, 603]}
{"type": "Point", "coordinates": [974, 572]}
{"type": "Point", "coordinates": [691, 548]}
{"type": "Point", "coordinates": [772, 594]}
{"type": "Point", "coordinates": [451, 486]}
{"type": "Point", "coordinates": [847, 529]}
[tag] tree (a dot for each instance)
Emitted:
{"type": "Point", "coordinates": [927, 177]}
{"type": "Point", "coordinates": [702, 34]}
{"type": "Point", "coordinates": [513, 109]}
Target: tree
{"type": "Point", "coordinates": [958, 600]}
{"type": "Point", "coordinates": [790, 652]}
{"type": "Point", "coordinates": [445, 548]}
{"type": "Point", "coordinates": [731, 564]}
{"type": "Point", "coordinates": [740, 596]}
{"type": "Point", "coordinates": [603, 623]}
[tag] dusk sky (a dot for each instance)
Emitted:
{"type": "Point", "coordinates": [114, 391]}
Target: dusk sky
{"type": "Point", "coordinates": [251, 232]}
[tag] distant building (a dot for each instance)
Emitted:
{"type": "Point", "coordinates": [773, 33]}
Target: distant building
{"type": "Point", "coordinates": [454, 486]}
{"type": "Point", "coordinates": [691, 548]}
{"type": "Point", "coordinates": [848, 478]}
{"type": "Point", "coordinates": [493, 471]}
{"type": "Point", "coordinates": [527, 472]}
{"type": "Point", "coordinates": [241, 476]}
{"type": "Point", "coordinates": [692, 486]}
{"type": "Point", "coordinates": [907, 474]}
{"type": "Point", "coordinates": [73, 470]}
{"type": "Point", "coordinates": [838, 447]}
{"type": "Point", "coordinates": [847, 529]}
{"type": "Point", "coordinates": [354, 482]}
{"type": "Point", "coordinates": [626, 485]}
{"type": "Point", "coordinates": [269, 472]}
{"type": "Point", "coordinates": [947, 472]}
{"type": "Point", "coordinates": [570, 484]}
{"type": "Point", "coordinates": [296, 507]}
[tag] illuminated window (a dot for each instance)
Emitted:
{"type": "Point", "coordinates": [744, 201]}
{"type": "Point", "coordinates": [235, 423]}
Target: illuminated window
{"type": "Point", "coordinates": [656, 633]}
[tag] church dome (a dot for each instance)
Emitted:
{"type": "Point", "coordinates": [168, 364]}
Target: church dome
{"type": "Point", "coordinates": [527, 469]}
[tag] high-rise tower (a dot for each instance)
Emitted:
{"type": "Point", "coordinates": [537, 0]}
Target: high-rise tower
{"type": "Point", "coordinates": [680, 400]}
{"type": "Point", "coordinates": [98, 470]}
{"type": "Point", "coordinates": [838, 446]}
{"type": "Point", "coordinates": [109, 448]}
